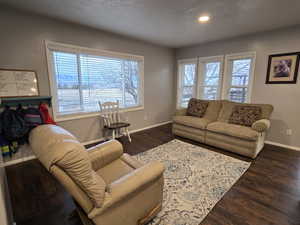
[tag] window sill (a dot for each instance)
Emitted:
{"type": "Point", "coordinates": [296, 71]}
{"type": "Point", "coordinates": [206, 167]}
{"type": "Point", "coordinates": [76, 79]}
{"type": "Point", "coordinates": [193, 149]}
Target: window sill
{"type": "Point", "coordinates": [67, 117]}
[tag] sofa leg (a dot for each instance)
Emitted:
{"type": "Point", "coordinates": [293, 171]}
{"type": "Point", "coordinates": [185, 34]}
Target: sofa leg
{"type": "Point", "coordinates": [150, 215]}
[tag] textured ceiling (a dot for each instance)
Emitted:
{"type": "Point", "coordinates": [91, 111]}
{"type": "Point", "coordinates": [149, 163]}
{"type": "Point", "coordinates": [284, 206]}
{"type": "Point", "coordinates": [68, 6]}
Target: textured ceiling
{"type": "Point", "coordinates": [171, 23]}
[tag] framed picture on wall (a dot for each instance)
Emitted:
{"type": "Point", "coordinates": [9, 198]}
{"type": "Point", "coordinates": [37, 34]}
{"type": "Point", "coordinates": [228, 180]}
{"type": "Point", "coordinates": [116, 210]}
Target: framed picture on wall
{"type": "Point", "coordinates": [18, 83]}
{"type": "Point", "coordinates": [283, 68]}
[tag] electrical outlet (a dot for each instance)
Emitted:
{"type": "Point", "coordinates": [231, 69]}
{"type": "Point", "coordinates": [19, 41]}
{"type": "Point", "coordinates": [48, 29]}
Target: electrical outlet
{"type": "Point", "coordinates": [126, 118]}
{"type": "Point", "coordinates": [289, 132]}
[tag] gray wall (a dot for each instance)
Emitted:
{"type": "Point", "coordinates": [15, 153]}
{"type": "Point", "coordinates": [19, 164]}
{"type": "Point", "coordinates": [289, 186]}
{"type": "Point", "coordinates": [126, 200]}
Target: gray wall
{"type": "Point", "coordinates": [22, 47]}
{"type": "Point", "coordinates": [284, 97]}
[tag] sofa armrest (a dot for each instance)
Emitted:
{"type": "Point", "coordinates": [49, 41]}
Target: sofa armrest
{"type": "Point", "coordinates": [261, 125]}
{"type": "Point", "coordinates": [180, 112]}
{"type": "Point", "coordinates": [130, 183]}
{"type": "Point", "coordinates": [103, 154]}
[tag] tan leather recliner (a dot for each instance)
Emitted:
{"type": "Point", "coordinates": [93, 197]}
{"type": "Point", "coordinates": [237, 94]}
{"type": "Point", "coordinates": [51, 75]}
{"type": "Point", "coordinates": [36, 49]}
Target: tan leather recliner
{"type": "Point", "coordinates": [109, 187]}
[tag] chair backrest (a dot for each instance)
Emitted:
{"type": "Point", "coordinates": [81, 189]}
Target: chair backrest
{"type": "Point", "coordinates": [67, 159]}
{"type": "Point", "coordinates": [110, 112]}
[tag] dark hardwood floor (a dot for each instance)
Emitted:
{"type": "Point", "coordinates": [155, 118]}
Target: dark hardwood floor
{"type": "Point", "coordinates": [268, 193]}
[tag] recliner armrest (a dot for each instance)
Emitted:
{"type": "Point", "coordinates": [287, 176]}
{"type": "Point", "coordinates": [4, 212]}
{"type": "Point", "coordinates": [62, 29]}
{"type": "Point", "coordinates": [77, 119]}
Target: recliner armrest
{"type": "Point", "coordinates": [131, 161]}
{"type": "Point", "coordinates": [103, 154]}
{"type": "Point", "coordinates": [134, 181]}
{"type": "Point", "coordinates": [261, 125]}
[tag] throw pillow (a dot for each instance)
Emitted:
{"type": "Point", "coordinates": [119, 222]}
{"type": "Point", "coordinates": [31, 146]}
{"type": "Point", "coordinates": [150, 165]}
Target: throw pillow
{"type": "Point", "coordinates": [197, 107]}
{"type": "Point", "coordinates": [245, 115]}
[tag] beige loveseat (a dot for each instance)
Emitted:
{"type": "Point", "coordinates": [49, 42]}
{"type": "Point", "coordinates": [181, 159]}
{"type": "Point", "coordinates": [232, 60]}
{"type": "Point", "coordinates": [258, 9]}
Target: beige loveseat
{"type": "Point", "coordinates": [214, 128]}
{"type": "Point", "coordinates": [110, 188]}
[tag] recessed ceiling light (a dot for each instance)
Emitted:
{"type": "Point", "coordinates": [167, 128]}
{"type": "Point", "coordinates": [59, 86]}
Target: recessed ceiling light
{"type": "Point", "coordinates": [203, 19]}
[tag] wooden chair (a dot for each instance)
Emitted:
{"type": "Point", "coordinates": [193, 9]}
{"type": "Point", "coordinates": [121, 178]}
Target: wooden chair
{"type": "Point", "coordinates": [113, 120]}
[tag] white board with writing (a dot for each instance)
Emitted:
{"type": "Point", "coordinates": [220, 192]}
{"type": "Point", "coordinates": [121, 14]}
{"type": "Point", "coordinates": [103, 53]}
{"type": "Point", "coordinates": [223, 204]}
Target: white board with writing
{"type": "Point", "coordinates": [18, 83]}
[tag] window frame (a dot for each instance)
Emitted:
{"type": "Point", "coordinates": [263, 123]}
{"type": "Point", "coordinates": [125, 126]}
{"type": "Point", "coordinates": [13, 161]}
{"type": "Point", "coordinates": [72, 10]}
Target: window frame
{"type": "Point", "coordinates": [228, 74]}
{"type": "Point", "coordinates": [55, 46]}
{"type": "Point", "coordinates": [202, 61]}
{"type": "Point", "coordinates": [180, 64]}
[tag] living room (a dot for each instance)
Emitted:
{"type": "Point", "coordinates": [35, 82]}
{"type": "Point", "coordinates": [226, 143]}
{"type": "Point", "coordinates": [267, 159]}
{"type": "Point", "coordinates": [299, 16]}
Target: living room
{"type": "Point", "coordinates": [207, 92]}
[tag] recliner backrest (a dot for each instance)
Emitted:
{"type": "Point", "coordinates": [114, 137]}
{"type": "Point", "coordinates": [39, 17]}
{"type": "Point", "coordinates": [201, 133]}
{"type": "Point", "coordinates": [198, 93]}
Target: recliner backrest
{"type": "Point", "coordinates": [77, 193]}
{"type": "Point", "coordinates": [65, 157]}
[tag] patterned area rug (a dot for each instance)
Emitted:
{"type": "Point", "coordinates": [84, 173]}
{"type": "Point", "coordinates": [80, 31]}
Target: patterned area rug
{"type": "Point", "coordinates": [195, 180]}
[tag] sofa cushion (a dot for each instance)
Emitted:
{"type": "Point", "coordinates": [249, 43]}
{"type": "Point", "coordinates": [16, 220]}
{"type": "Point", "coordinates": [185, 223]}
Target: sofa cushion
{"type": "Point", "coordinates": [245, 115]}
{"type": "Point", "coordinates": [227, 108]}
{"type": "Point", "coordinates": [233, 130]}
{"type": "Point", "coordinates": [213, 110]}
{"type": "Point", "coordinates": [196, 107]}
{"type": "Point", "coordinates": [191, 121]}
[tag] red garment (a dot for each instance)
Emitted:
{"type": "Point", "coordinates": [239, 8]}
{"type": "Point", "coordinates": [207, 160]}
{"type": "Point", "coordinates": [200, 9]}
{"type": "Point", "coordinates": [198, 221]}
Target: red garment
{"type": "Point", "coordinates": [45, 114]}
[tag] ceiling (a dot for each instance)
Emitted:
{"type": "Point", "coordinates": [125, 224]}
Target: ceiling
{"type": "Point", "coordinates": [172, 23]}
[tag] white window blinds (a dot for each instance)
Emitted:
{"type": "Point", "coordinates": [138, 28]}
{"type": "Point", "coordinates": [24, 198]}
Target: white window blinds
{"type": "Point", "coordinates": [82, 80]}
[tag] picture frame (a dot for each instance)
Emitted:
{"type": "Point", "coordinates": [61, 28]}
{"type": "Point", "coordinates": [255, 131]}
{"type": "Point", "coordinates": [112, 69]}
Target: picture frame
{"type": "Point", "coordinates": [18, 83]}
{"type": "Point", "coordinates": [283, 68]}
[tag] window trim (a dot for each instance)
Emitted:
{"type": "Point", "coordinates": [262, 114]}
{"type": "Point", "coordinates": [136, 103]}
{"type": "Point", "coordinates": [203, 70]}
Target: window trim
{"type": "Point", "coordinates": [180, 79]}
{"type": "Point", "coordinates": [201, 62]}
{"type": "Point", "coordinates": [55, 46]}
{"type": "Point", "coordinates": [227, 73]}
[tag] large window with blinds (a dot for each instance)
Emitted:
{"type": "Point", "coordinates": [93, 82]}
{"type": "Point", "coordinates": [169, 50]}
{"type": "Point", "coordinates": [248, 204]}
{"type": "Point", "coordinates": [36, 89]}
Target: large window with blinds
{"type": "Point", "coordinates": [81, 78]}
{"type": "Point", "coordinates": [206, 79]}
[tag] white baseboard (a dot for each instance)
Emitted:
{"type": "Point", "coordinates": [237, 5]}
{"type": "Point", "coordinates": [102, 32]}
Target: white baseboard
{"type": "Point", "coordinates": [283, 145]}
{"type": "Point", "coordinates": [16, 161]}
{"type": "Point", "coordinates": [131, 132]}
{"type": "Point", "coordinates": [149, 127]}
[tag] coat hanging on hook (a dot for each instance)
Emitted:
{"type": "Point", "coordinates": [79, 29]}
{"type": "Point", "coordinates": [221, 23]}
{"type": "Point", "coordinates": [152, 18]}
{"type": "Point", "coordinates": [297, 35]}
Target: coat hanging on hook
{"type": "Point", "coordinates": [45, 114]}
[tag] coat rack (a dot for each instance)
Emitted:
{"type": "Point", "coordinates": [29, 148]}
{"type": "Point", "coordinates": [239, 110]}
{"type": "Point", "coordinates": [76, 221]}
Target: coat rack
{"type": "Point", "coordinates": [25, 101]}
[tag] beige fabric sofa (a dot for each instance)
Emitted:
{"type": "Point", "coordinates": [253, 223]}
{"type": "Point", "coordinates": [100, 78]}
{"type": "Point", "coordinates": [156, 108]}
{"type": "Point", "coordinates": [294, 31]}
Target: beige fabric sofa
{"type": "Point", "coordinates": [108, 186]}
{"type": "Point", "coordinates": [213, 128]}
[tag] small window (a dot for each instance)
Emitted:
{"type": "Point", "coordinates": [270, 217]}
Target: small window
{"type": "Point", "coordinates": [80, 80]}
{"type": "Point", "coordinates": [210, 77]}
{"type": "Point", "coordinates": [239, 76]}
{"type": "Point", "coordinates": [187, 81]}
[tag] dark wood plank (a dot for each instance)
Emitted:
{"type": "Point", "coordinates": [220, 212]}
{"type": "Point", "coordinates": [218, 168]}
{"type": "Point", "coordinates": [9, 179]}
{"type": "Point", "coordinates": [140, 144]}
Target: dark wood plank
{"type": "Point", "coordinates": [268, 193]}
